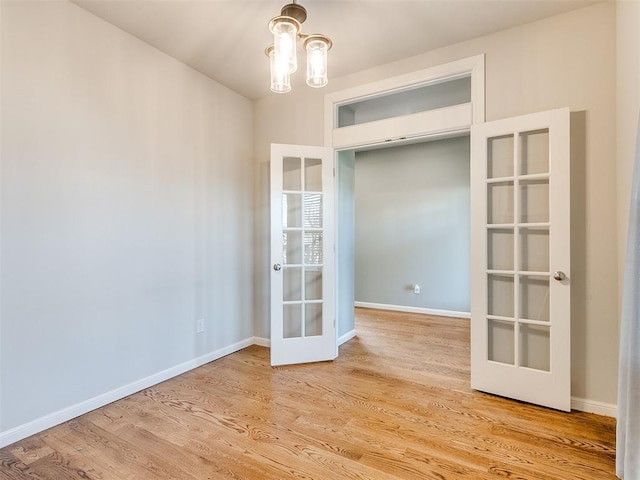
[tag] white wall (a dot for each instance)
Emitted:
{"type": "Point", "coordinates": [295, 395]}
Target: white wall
{"type": "Point", "coordinates": [566, 60]}
{"type": "Point", "coordinates": [127, 196]}
{"type": "Point", "coordinates": [628, 111]}
{"type": "Point", "coordinates": [412, 225]}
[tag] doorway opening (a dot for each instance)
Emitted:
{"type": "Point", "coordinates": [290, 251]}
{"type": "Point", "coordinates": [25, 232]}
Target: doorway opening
{"type": "Point", "coordinates": [403, 228]}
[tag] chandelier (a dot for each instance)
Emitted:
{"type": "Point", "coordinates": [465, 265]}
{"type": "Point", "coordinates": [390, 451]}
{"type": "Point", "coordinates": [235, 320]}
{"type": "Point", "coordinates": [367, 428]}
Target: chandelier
{"type": "Point", "coordinates": [283, 61]}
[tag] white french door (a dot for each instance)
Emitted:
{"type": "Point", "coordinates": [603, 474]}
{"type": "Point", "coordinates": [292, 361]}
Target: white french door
{"type": "Point", "coordinates": [520, 251]}
{"type": "Point", "coordinates": [302, 255]}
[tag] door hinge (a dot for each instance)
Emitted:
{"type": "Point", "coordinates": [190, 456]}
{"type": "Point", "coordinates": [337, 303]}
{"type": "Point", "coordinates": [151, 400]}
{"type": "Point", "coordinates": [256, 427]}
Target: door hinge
{"type": "Point", "coordinates": [334, 171]}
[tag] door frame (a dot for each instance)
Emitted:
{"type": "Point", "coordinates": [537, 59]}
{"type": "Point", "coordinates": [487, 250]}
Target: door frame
{"type": "Point", "coordinates": [432, 130]}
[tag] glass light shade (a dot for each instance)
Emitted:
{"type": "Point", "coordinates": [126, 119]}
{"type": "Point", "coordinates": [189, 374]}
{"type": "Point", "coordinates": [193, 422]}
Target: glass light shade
{"type": "Point", "coordinates": [280, 78]}
{"type": "Point", "coordinates": [285, 35]}
{"type": "Point", "coordinates": [317, 47]}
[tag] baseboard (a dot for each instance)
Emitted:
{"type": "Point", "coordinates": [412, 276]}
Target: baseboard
{"type": "Point", "coordinates": [263, 342]}
{"type": "Point", "coordinates": [401, 308]}
{"type": "Point", "coordinates": [66, 414]}
{"type": "Point", "coordinates": [346, 337]}
{"type": "Point", "coordinates": [22, 431]}
{"type": "Point", "coordinates": [592, 406]}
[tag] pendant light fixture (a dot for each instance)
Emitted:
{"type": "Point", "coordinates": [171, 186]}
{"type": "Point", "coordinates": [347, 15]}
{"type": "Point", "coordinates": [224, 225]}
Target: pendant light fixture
{"type": "Point", "coordinates": [286, 29]}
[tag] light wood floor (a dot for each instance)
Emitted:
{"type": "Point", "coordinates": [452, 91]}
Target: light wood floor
{"type": "Point", "coordinates": [396, 404]}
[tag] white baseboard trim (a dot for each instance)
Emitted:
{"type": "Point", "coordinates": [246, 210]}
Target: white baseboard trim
{"type": "Point", "coordinates": [56, 418]}
{"type": "Point", "coordinates": [263, 342]}
{"type": "Point", "coordinates": [401, 308]}
{"type": "Point", "coordinates": [593, 406]}
{"type": "Point", "coordinates": [346, 337]}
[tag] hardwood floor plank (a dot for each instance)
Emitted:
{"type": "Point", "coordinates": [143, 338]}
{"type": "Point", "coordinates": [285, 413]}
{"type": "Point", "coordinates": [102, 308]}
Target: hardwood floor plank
{"type": "Point", "coordinates": [396, 404]}
{"type": "Point", "coordinates": [30, 450]}
{"type": "Point", "coordinates": [12, 468]}
{"type": "Point", "coordinates": [105, 455]}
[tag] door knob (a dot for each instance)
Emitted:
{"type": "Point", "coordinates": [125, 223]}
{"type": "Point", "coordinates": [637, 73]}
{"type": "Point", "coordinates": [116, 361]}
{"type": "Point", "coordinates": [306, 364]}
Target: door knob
{"type": "Point", "coordinates": [277, 267]}
{"type": "Point", "coordinates": [559, 275]}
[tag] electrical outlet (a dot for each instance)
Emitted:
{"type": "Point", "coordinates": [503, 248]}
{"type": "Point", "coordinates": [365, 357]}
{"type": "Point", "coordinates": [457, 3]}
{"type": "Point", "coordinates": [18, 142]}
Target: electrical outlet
{"type": "Point", "coordinates": [416, 288]}
{"type": "Point", "coordinates": [200, 325]}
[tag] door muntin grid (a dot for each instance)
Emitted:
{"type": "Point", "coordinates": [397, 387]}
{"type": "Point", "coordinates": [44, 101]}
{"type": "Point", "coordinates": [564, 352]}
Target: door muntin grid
{"type": "Point", "coordinates": [302, 240]}
{"type": "Point", "coordinates": [519, 326]}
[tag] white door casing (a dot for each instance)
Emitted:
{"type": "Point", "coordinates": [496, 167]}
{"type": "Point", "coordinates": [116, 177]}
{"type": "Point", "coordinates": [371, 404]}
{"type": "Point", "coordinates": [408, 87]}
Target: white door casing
{"type": "Point", "coordinates": [302, 255]}
{"type": "Point", "coordinates": [520, 258]}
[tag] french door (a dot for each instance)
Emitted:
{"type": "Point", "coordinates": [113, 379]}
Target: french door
{"type": "Point", "coordinates": [520, 251]}
{"type": "Point", "coordinates": [520, 257]}
{"type": "Point", "coordinates": [302, 255]}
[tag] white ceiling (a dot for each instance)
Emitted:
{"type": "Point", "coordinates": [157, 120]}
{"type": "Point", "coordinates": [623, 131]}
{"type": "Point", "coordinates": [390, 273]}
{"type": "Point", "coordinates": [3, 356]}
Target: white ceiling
{"type": "Point", "coordinates": [225, 39]}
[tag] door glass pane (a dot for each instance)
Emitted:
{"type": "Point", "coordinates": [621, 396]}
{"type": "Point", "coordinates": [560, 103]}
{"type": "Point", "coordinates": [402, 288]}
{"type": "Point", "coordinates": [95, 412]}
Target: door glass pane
{"type": "Point", "coordinates": [292, 320]}
{"type": "Point", "coordinates": [313, 248]}
{"type": "Point", "coordinates": [534, 249]}
{"type": "Point", "coordinates": [313, 175]}
{"type": "Point", "coordinates": [500, 202]}
{"type": "Point", "coordinates": [500, 157]}
{"type": "Point", "coordinates": [291, 173]}
{"type": "Point", "coordinates": [500, 249]}
{"type": "Point", "coordinates": [291, 284]}
{"type": "Point", "coordinates": [312, 210]}
{"type": "Point", "coordinates": [500, 293]}
{"type": "Point", "coordinates": [291, 210]}
{"type": "Point", "coordinates": [534, 298]}
{"type": "Point", "coordinates": [534, 201]}
{"type": "Point", "coordinates": [312, 319]}
{"type": "Point", "coordinates": [291, 247]}
{"type": "Point", "coordinates": [535, 344]}
{"type": "Point", "coordinates": [313, 283]}
{"type": "Point", "coordinates": [534, 152]}
{"type": "Point", "coordinates": [501, 340]}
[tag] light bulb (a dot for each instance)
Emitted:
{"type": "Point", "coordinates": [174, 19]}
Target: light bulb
{"type": "Point", "coordinates": [285, 34]}
{"type": "Point", "coordinates": [280, 79]}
